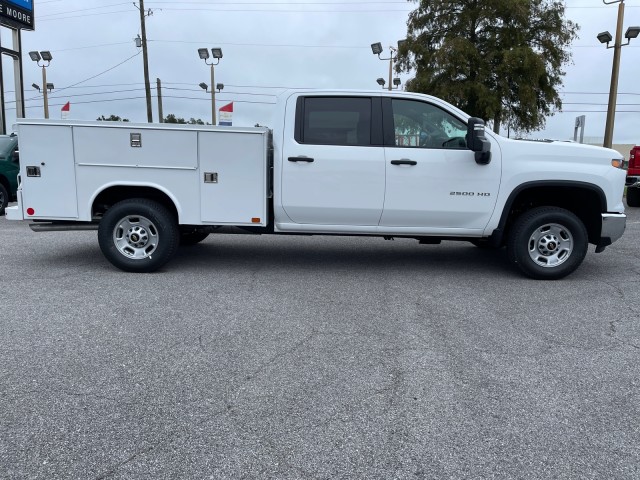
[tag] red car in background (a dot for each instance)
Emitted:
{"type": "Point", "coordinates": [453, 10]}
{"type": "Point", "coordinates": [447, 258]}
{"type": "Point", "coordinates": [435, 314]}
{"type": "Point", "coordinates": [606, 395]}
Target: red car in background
{"type": "Point", "coordinates": [633, 178]}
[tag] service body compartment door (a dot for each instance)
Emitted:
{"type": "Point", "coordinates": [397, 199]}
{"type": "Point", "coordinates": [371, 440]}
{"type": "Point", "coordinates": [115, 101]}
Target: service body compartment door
{"type": "Point", "coordinates": [233, 177]}
{"type": "Point", "coordinates": [47, 171]}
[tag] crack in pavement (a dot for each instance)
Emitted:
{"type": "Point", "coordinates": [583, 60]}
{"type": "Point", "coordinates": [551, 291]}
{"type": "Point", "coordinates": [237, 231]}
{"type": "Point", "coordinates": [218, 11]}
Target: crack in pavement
{"type": "Point", "coordinates": [112, 470]}
{"type": "Point", "coordinates": [612, 324]}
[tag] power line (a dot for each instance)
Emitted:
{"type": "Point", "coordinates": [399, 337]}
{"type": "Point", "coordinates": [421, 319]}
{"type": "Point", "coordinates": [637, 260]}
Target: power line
{"type": "Point", "coordinates": [264, 44]}
{"type": "Point", "coordinates": [37, 97]}
{"type": "Point", "coordinates": [89, 46]}
{"type": "Point", "coordinates": [101, 73]}
{"type": "Point", "coordinates": [218, 11]}
{"type": "Point", "coordinates": [82, 16]}
{"type": "Point", "coordinates": [83, 10]}
{"type": "Point", "coordinates": [208, 100]}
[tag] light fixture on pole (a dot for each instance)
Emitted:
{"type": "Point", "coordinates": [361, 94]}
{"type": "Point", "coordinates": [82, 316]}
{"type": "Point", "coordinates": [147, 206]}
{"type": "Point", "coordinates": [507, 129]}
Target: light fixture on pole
{"type": "Point", "coordinates": [396, 83]}
{"type": "Point", "coordinates": [219, 86]}
{"type": "Point", "coordinates": [216, 53]}
{"type": "Point", "coordinates": [45, 57]}
{"type": "Point", "coordinates": [376, 48]}
{"type": "Point", "coordinates": [605, 37]}
{"type": "Point", "coordinates": [381, 82]}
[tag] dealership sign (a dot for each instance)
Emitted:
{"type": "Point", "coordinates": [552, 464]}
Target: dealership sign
{"type": "Point", "coordinates": [17, 14]}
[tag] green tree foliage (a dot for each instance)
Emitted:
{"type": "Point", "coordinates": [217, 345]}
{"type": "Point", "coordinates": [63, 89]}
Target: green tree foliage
{"type": "Point", "coordinates": [112, 118]}
{"type": "Point", "coordinates": [171, 118]}
{"type": "Point", "coordinates": [500, 60]}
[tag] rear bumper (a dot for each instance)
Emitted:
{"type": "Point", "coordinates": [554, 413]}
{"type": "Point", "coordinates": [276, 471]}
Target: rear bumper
{"type": "Point", "coordinates": [632, 181]}
{"type": "Point", "coordinates": [613, 225]}
{"type": "Point", "coordinates": [14, 213]}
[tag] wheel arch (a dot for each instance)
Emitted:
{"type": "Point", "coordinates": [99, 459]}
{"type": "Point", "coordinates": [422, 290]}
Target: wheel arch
{"type": "Point", "coordinates": [111, 194]}
{"type": "Point", "coordinates": [586, 200]}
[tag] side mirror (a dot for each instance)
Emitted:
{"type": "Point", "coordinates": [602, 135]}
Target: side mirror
{"type": "Point", "coordinates": [477, 142]}
{"type": "Point", "coordinates": [15, 158]}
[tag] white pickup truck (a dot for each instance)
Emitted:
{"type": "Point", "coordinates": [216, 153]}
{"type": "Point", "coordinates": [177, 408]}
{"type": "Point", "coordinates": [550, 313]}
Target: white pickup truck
{"type": "Point", "coordinates": [388, 164]}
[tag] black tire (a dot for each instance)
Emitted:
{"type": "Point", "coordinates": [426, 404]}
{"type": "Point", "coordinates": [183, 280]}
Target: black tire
{"type": "Point", "coordinates": [138, 235]}
{"type": "Point", "coordinates": [191, 237]}
{"type": "Point", "coordinates": [547, 243]}
{"type": "Point", "coordinates": [4, 198]}
{"type": "Point", "coordinates": [633, 197]}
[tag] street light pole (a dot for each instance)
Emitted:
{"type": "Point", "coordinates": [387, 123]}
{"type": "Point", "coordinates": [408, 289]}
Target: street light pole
{"type": "Point", "coordinates": [216, 53]}
{"type": "Point", "coordinates": [213, 97]}
{"type": "Point", "coordinates": [605, 37]}
{"type": "Point", "coordinates": [45, 92]}
{"type": "Point", "coordinates": [390, 68]}
{"type": "Point", "coordinates": [376, 48]}
{"type": "Point", "coordinates": [613, 91]}
{"type": "Point", "coordinates": [44, 56]}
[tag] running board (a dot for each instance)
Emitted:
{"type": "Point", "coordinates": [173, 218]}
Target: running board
{"type": "Point", "coordinates": [62, 226]}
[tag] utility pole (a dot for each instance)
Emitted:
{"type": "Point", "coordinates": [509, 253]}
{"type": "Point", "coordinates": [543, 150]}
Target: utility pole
{"type": "Point", "coordinates": [145, 59]}
{"type": "Point", "coordinates": [159, 89]}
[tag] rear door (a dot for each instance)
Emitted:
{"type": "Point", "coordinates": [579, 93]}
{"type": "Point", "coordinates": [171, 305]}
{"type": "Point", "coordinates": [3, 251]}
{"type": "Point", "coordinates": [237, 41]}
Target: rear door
{"type": "Point", "coordinates": [333, 170]}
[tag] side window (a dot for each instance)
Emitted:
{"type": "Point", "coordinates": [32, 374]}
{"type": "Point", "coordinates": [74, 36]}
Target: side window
{"type": "Point", "coordinates": [419, 124]}
{"type": "Point", "coordinates": [337, 121]}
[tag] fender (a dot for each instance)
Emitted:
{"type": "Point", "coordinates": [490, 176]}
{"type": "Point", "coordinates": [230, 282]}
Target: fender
{"type": "Point", "coordinates": [498, 234]}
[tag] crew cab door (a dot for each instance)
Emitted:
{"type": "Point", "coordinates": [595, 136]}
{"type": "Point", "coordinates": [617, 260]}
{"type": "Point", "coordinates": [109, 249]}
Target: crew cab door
{"type": "Point", "coordinates": [333, 167]}
{"type": "Point", "coordinates": [432, 178]}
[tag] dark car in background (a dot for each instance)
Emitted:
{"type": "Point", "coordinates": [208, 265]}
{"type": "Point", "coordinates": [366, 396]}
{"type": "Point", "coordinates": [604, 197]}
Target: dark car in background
{"type": "Point", "coordinates": [9, 168]}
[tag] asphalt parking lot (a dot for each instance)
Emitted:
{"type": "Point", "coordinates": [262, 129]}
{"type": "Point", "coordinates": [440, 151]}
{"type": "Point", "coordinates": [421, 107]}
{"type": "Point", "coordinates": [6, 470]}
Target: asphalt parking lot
{"type": "Point", "coordinates": [315, 357]}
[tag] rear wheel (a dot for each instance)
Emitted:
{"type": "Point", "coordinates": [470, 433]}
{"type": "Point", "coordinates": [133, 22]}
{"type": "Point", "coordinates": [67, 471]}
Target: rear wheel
{"type": "Point", "coordinates": [138, 235]}
{"type": "Point", "coordinates": [633, 197]}
{"type": "Point", "coordinates": [547, 243]}
{"type": "Point", "coordinates": [4, 198]}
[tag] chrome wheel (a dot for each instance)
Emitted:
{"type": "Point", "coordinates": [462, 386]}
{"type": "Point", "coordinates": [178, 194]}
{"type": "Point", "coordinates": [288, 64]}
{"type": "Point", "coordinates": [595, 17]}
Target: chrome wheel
{"type": "Point", "coordinates": [136, 237]}
{"type": "Point", "coordinates": [550, 245]}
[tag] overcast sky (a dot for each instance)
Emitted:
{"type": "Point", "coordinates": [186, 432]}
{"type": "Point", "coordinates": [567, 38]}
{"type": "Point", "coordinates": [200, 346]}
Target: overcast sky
{"type": "Point", "coordinates": [271, 45]}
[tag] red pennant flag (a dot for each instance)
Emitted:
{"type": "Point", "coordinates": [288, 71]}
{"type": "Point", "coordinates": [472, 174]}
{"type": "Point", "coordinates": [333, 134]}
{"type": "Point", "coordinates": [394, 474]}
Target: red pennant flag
{"type": "Point", "coordinates": [66, 107]}
{"type": "Point", "coordinates": [227, 108]}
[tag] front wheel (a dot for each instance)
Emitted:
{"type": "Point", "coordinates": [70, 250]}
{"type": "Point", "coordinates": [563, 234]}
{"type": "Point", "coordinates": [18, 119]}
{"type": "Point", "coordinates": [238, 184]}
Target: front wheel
{"type": "Point", "coordinates": [138, 235]}
{"type": "Point", "coordinates": [547, 243]}
{"type": "Point", "coordinates": [633, 196]}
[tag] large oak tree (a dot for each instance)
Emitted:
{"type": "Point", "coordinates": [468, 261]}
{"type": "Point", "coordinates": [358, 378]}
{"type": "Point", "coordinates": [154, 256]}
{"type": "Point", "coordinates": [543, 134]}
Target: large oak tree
{"type": "Point", "coordinates": [501, 60]}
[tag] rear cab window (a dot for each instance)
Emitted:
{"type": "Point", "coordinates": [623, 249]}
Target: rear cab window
{"type": "Point", "coordinates": [340, 121]}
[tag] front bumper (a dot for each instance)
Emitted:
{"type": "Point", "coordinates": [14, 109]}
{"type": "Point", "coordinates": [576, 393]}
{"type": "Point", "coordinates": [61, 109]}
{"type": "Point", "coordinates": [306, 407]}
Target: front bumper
{"type": "Point", "coordinates": [632, 181]}
{"type": "Point", "coordinates": [613, 225]}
